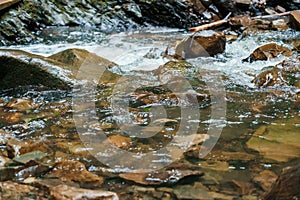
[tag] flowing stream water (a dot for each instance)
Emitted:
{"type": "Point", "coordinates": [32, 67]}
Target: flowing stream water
{"type": "Point", "coordinates": [142, 51]}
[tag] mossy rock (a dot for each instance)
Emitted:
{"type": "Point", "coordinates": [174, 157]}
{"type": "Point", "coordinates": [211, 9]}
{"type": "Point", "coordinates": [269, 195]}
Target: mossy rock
{"type": "Point", "coordinates": [79, 59]}
{"type": "Point", "coordinates": [19, 68]}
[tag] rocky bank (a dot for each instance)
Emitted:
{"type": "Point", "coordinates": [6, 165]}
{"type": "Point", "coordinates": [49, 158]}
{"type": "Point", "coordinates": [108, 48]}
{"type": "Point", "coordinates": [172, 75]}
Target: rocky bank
{"type": "Point", "coordinates": [23, 22]}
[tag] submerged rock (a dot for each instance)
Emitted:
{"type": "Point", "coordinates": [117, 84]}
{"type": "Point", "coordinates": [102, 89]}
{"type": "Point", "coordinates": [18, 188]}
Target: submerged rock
{"type": "Point", "coordinates": [28, 157]}
{"type": "Point", "coordinates": [75, 172]}
{"type": "Point", "coordinates": [201, 44]}
{"type": "Point", "coordinates": [160, 177]}
{"type": "Point", "coordinates": [195, 191]}
{"type": "Point", "coordinates": [265, 179]}
{"type": "Point", "coordinates": [73, 193]}
{"type": "Point", "coordinates": [267, 51]}
{"type": "Point", "coordinates": [277, 142]}
{"type": "Point", "coordinates": [120, 141]}
{"type": "Point", "coordinates": [139, 192]}
{"type": "Point", "coordinates": [11, 190]}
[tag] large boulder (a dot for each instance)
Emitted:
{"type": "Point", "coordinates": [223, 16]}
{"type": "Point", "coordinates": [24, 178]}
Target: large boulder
{"type": "Point", "coordinates": [201, 44]}
{"type": "Point", "coordinates": [58, 71]}
{"type": "Point", "coordinates": [19, 68]}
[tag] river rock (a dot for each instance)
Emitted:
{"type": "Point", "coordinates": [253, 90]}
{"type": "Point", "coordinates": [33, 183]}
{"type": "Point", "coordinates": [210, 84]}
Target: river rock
{"type": "Point", "coordinates": [7, 3]}
{"type": "Point", "coordinates": [287, 184]}
{"type": "Point", "coordinates": [161, 177]}
{"type": "Point", "coordinates": [73, 193]}
{"type": "Point", "coordinates": [201, 44]}
{"type": "Point", "coordinates": [285, 73]}
{"type": "Point", "coordinates": [11, 190]}
{"type": "Point", "coordinates": [58, 71]}
{"type": "Point", "coordinates": [76, 57]}
{"type": "Point", "coordinates": [28, 157]}
{"type": "Point", "coordinates": [120, 141]}
{"type": "Point", "coordinates": [138, 192]}
{"type": "Point", "coordinates": [230, 156]}
{"type": "Point", "coordinates": [20, 68]}
{"type": "Point", "coordinates": [295, 19]}
{"type": "Point", "coordinates": [16, 148]}
{"type": "Point", "coordinates": [74, 171]}
{"type": "Point", "coordinates": [265, 179]}
{"type": "Point", "coordinates": [21, 104]}
{"type": "Point", "coordinates": [195, 191]}
{"type": "Point", "coordinates": [79, 59]}
{"type": "Point", "coordinates": [11, 117]}
{"type": "Point", "coordinates": [268, 51]}
{"type": "Point", "coordinates": [3, 160]}
{"type": "Point", "coordinates": [280, 24]}
{"type": "Point", "coordinates": [277, 142]}
{"type": "Point", "coordinates": [243, 188]}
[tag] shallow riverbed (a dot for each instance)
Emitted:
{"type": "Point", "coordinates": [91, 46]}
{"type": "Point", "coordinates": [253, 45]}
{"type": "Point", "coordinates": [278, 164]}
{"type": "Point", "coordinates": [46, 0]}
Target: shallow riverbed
{"type": "Point", "coordinates": [245, 159]}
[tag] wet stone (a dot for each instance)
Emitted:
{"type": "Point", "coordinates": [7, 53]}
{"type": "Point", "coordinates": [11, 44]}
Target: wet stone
{"type": "Point", "coordinates": [285, 73]}
{"type": "Point", "coordinates": [160, 177]}
{"type": "Point", "coordinates": [69, 193]}
{"type": "Point", "coordinates": [77, 57]}
{"type": "Point", "coordinates": [74, 171]}
{"type": "Point", "coordinates": [215, 165]}
{"type": "Point", "coordinates": [295, 19]}
{"type": "Point", "coordinates": [3, 160]}
{"type": "Point", "coordinates": [268, 51]}
{"type": "Point", "coordinates": [22, 69]}
{"type": "Point", "coordinates": [7, 173]}
{"type": "Point", "coordinates": [287, 184]}
{"type": "Point", "coordinates": [16, 148]}
{"type": "Point", "coordinates": [265, 179]}
{"type": "Point", "coordinates": [11, 117]}
{"type": "Point", "coordinates": [7, 3]}
{"type": "Point", "coordinates": [21, 104]}
{"type": "Point", "coordinates": [196, 191]}
{"type": "Point", "coordinates": [120, 141]}
{"type": "Point", "coordinates": [277, 142]}
{"type": "Point", "coordinates": [230, 156]}
{"type": "Point", "coordinates": [148, 193]}
{"type": "Point", "coordinates": [88, 63]}
{"type": "Point", "coordinates": [201, 44]}
{"type": "Point", "coordinates": [11, 190]}
{"type": "Point", "coordinates": [243, 188]}
{"type": "Point", "coordinates": [78, 149]}
{"type": "Point", "coordinates": [28, 157]}
{"type": "Point", "coordinates": [280, 24]}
